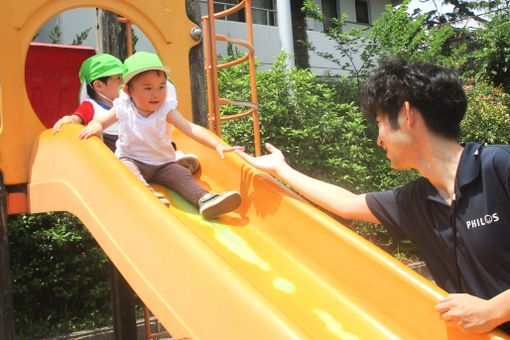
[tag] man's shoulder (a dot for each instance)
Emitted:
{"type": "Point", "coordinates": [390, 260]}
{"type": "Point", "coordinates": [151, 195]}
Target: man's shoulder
{"type": "Point", "coordinates": [496, 150]}
{"type": "Point", "coordinates": [417, 189]}
{"type": "Point", "coordinates": [421, 184]}
{"type": "Point", "coordinates": [495, 155]}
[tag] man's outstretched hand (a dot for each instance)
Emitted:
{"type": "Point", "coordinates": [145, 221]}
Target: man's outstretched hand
{"type": "Point", "coordinates": [269, 163]}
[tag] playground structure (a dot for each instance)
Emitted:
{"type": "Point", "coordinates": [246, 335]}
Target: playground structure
{"type": "Point", "coordinates": [276, 268]}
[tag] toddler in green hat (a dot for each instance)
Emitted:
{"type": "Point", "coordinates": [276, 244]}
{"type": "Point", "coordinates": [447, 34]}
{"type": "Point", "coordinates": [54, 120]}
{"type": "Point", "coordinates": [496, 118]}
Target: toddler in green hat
{"type": "Point", "coordinates": [146, 112]}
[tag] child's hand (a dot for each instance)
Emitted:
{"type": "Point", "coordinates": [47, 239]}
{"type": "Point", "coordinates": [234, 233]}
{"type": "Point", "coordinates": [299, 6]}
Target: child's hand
{"type": "Point", "coordinates": [94, 128]}
{"type": "Point", "coordinates": [66, 120]}
{"type": "Point", "coordinates": [221, 149]}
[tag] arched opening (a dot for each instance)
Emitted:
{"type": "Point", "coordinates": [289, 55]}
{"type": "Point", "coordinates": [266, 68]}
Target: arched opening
{"type": "Point", "coordinates": [57, 51]}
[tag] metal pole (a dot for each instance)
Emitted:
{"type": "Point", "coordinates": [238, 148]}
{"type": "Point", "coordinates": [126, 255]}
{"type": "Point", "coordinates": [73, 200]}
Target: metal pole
{"type": "Point", "coordinates": [253, 78]}
{"type": "Point", "coordinates": [212, 70]}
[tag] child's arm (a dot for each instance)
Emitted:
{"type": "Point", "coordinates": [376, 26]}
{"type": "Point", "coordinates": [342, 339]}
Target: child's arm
{"type": "Point", "coordinates": [96, 126]}
{"type": "Point", "coordinates": [66, 120]}
{"type": "Point", "coordinates": [198, 133]}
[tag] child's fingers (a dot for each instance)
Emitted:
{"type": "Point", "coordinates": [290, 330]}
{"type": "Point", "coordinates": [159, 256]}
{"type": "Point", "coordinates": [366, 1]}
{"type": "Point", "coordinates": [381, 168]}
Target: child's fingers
{"type": "Point", "coordinates": [58, 125]}
{"type": "Point", "coordinates": [234, 148]}
{"type": "Point", "coordinates": [85, 133]}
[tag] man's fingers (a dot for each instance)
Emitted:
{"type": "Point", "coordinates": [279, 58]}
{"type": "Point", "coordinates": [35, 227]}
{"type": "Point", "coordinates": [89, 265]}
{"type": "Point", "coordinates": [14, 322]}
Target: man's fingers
{"type": "Point", "coordinates": [270, 148]}
{"type": "Point", "coordinates": [244, 155]}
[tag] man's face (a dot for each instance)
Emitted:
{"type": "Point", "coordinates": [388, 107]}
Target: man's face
{"type": "Point", "coordinates": [396, 142]}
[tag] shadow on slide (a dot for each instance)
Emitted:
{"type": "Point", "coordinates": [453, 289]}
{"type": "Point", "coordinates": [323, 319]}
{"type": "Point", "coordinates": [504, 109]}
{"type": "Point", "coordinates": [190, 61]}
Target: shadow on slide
{"type": "Point", "coordinates": [276, 268]}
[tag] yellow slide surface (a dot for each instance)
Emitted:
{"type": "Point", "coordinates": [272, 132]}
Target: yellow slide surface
{"type": "Point", "coordinates": [276, 268]}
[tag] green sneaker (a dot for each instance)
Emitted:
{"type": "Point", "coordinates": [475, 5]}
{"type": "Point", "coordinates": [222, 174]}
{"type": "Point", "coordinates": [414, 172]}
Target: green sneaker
{"type": "Point", "coordinates": [211, 205]}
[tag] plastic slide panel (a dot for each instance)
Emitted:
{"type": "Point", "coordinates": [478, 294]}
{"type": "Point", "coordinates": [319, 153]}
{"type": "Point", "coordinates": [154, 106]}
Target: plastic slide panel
{"type": "Point", "coordinates": [276, 268]}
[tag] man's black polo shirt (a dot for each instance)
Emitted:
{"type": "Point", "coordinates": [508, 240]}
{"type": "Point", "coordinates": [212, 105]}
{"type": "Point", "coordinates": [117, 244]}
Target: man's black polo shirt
{"type": "Point", "coordinates": [480, 213]}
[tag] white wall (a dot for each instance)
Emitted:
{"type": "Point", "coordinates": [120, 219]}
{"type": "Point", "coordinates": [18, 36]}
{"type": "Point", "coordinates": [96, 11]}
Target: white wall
{"type": "Point", "coordinates": [77, 20]}
{"type": "Point", "coordinates": [266, 38]}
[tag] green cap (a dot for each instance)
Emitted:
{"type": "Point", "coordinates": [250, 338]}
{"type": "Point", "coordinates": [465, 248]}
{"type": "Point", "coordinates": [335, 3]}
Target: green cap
{"type": "Point", "coordinates": [98, 66]}
{"type": "Point", "coordinates": [141, 62]}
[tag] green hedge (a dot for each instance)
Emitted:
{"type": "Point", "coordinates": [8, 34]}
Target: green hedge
{"type": "Point", "coordinates": [59, 273]}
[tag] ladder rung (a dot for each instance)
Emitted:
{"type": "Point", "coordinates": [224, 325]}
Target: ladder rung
{"type": "Point", "coordinates": [238, 102]}
{"type": "Point", "coordinates": [237, 41]}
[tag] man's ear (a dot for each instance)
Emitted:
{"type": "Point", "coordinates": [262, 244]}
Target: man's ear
{"type": "Point", "coordinates": [410, 113]}
{"type": "Point", "coordinates": [125, 88]}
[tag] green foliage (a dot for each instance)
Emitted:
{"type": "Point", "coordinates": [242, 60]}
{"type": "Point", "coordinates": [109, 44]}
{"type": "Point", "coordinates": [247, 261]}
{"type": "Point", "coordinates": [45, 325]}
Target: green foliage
{"type": "Point", "coordinates": [488, 115]}
{"type": "Point", "coordinates": [60, 275]}
{"type": "Point", "coordinates": [79, 38]}
{"type": "Point", "coordinates": [395, 33]}
{"type": "Point", "coordinates": [134, 40]}
{"type": "Point", "coordinates": [55, 34]}
{"type": "Point", "coordinates": [492, 59]}
{"type": "Point", "coordinates": [398, 33]}
{"type": "Point", "coordinates": [349, 45]}
{"type": "Point", "coordinates": [320, 133]}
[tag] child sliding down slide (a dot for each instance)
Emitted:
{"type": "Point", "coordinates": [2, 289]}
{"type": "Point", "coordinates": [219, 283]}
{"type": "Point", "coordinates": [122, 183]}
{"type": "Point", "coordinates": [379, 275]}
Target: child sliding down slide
{"type": "Point", "coordinates": [144, 107]}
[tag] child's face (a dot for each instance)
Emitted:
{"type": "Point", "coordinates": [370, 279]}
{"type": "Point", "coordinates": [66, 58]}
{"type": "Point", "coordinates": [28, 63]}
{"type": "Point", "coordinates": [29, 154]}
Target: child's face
{"type": "Point", "coordinates": [148, 91]}
{"type": "Point", "coordinates": [110, 89]}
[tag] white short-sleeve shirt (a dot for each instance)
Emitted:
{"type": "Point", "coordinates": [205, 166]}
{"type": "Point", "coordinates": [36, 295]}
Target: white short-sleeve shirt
{"type": "Point", "coordinates": [145, 139]}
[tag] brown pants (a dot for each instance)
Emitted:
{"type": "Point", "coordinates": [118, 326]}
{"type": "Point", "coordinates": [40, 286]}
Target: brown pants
{"type": "Point", "coordinates": [171, 175]}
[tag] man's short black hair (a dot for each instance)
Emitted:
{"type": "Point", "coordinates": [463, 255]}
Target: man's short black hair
{"type": "Point", "coordinates": [434, 90]}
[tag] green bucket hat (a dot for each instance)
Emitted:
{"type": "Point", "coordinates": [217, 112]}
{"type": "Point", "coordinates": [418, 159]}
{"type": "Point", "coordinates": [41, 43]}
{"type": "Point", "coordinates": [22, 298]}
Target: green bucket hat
{"type": "Point", "coordinates": [141, 62]}
{"type": "Point", "coordinates": [98, 66]}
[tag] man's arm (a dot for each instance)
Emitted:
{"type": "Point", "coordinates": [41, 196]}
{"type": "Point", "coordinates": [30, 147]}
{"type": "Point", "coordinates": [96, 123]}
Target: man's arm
{"type": "Point", "coordinates": [328, 196]}
{"type": "Point", "coordinates": [473, 314]}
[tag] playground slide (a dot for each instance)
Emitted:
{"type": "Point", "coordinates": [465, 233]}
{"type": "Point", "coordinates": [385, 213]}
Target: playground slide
{"type": "Point", "coordinates": [276, 268]}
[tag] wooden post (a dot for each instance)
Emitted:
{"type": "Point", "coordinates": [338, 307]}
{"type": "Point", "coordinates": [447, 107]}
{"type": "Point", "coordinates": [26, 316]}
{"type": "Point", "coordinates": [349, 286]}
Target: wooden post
{"type": "Point", "coordinates": [6, 309]}
{"type": "Point", "coordinates": [110, 34]}
{"type": "Point", "coordinates": [123, 306]}
{"type": "Point", "coordinates": [301, 57]}
{"type": "Point", "coordinates": [196, 60]}
{"type": "Point", "coordinates": [111, 38]}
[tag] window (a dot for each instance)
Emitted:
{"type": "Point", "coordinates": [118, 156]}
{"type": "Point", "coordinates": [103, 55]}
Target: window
{"type": "Point", "coordinates": [263, 11]}
{"type": "Point", "coordinates": [330, 10]}
{"type": "Point", "coordinates": [362, 16]}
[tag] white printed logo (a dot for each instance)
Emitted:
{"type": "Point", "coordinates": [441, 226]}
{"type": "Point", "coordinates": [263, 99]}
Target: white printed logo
{"type": "Point", "coordinates": [482, 221]}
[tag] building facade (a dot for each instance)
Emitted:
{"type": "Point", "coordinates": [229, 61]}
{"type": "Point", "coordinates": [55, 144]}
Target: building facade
{"type": "Point", "coordinates": [274, 27]}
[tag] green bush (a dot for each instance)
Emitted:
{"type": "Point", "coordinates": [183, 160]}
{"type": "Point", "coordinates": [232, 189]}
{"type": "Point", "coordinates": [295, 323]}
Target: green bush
{"type": "Point", "coordinates": [488, 116]}
{"type": "Point", "coordinates": [59, 273]}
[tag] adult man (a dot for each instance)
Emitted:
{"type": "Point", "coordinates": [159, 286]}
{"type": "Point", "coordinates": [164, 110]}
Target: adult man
{"type": "Point", "coordinates": [458, 213]}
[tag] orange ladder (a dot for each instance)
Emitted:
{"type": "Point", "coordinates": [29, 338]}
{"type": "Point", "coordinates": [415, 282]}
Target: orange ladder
{"type": "Point", "coordinates": [212, 67]}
